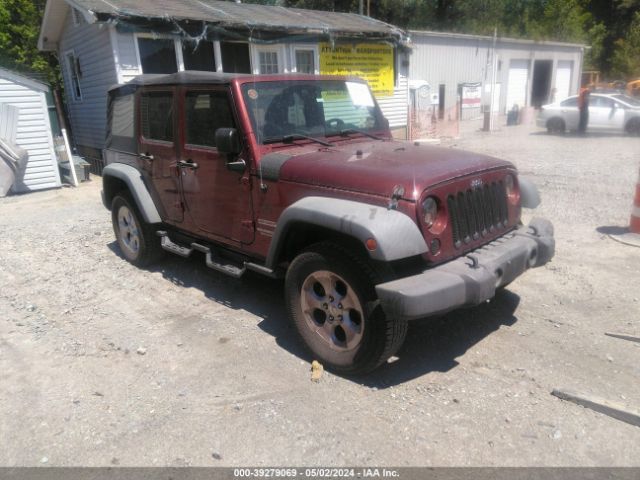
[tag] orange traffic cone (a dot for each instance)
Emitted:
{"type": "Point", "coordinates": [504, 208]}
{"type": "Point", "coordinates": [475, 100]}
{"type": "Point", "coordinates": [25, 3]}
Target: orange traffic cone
{"type": "Point", "coordinates": [632, 236]}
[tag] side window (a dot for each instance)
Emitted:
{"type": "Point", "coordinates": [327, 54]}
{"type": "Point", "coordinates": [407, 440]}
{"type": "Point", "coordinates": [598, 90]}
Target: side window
{"type": "Point", "coordinates": [268, 62]}
{"type": "Point", "coordinates": [305, 61]}
{"type": "Point", "coordinates": [570, 102]}
{"type": "Point", "coordinates": [121, 132]}
{"type": "Point", "coordinates": [603, 102]}
{"type": "Point", "coordinates": [199, 56]}
{"type": "Point", "coordinates": [73, 69]}
{"type": "Point", "coordinates": [156, 116]}
{"type": "Point", "coordinates": [235, 57]}
{"type": "Point", "coordinates": [157, 55]}
{"type": "Point", "coordinates": [205, 112]}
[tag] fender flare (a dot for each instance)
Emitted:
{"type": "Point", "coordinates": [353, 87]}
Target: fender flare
{"type": "Point", "coordinates": [132, 178]}
{"type": "Point", "coordinates": [396, 234]}
{"type": "Point", "coordinates": [529, 195]}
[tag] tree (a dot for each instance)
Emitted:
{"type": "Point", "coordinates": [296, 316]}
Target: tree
{"type": "Point", "coordinates": [626, 57]}
{"type": "Point", "coordinates": [20, 22]}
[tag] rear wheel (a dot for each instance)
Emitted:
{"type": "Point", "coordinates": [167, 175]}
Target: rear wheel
{"type": "Point", "coordinates": [136, 238]}
{"type": "Point", "coordinates": [633, 126]}
{"type": "Point", "coordinates": [332, 303]}
{"type": "Point", "coordinates": [556, 125]}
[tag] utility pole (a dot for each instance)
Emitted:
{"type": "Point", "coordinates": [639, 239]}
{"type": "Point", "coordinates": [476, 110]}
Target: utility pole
{"type": "Point", "coordinates": [361, 9]}
{"type": "Point", "coordinates": [494, 72]}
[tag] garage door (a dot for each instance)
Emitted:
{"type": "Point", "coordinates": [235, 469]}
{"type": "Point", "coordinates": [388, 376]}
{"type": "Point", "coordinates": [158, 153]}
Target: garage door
{"type": "Point", "coordinates": [563, 79]}
{"type": "Point", "coordinates": [517, 83]}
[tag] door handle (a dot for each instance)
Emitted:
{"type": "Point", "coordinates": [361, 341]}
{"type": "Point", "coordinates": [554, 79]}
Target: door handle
{"type": "Point", "coordinates": [187, 164]}
{"type": "Point", "coordinates": [145, 156]}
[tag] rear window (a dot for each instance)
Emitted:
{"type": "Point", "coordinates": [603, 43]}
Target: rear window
{"type": "Point", "coordinates": [629, 100]}
{"type": "Point", "coordinates": [156, 116]}
{"type": "Point", "coordinates": [121, 129]}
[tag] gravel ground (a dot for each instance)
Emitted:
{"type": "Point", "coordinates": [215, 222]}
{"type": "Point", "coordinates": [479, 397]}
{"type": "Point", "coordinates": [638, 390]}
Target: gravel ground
{"type": "Point", "coordinates": [105, 364]}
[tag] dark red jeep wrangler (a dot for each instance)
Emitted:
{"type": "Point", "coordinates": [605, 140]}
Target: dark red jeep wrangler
{"type": "Point", "coordinates": [298, 177]}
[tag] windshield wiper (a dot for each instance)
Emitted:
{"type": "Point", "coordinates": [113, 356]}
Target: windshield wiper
{"type": "Point", "coordinates": [296, 136]}
{"type": "Point", "coordinates": [345, 131]}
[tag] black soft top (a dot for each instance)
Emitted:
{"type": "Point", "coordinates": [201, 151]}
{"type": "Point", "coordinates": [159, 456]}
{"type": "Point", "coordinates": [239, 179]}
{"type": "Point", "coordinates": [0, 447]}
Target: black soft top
{"type": "Point", "coordinates": [181, 78]}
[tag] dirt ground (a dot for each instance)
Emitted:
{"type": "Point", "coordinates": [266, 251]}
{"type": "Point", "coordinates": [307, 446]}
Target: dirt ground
{"type": "Point", "coordinates": [105, 364]}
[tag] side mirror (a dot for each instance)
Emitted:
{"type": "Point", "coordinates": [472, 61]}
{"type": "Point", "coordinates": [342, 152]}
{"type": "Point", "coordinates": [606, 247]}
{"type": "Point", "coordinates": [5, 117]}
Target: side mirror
{"type": "Point", "coordinates": [228, 141]}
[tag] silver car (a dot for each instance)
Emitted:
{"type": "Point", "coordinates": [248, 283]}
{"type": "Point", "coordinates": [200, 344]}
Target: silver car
{"type": "Point", "coordinates": [607, 112]}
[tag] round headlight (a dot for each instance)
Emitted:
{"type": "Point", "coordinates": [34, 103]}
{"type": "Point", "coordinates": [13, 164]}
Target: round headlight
{"type": "Point", "coordinates": [430, 211]}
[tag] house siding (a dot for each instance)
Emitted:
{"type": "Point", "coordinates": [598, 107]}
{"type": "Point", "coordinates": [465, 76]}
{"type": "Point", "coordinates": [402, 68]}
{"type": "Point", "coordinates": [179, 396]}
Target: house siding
{"type": "Point", "coordinates": [395, 108]}
{"type": "Point", "coordinates": [91, 44]}
{"type": "Point", "coordinates": [33, 133]}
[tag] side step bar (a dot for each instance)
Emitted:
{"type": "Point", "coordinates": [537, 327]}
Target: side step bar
{"type": "Point", "coordinates": [212, 261]}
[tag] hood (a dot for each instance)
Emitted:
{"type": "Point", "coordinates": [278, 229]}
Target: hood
{"type": "Point", "coordinates": [376, 167]}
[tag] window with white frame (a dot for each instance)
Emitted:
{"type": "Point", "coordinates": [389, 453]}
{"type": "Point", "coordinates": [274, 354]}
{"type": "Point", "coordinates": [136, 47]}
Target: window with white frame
{"type": "Point", "coordinates": [199, 56]}
{"type": "Point", "coordinates": [268, 61]}
{"type": "Point", "coordinates": [305, 60]}
{"type": "Point", "coordinates": [74, 73]}
{"type": "Point", "coordinates": [157, 55]}
{"type": "Point", "coordinates": [235, 57]}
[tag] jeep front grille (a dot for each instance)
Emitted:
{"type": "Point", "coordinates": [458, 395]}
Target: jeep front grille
{"type": "Point", "coordinates": [477, 212]}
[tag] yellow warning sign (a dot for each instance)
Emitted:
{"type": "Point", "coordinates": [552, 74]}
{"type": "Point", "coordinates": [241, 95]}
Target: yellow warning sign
{"type": "Point", "coordinates": [370, 61]}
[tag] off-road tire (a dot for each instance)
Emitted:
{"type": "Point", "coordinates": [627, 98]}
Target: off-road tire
{"type": "Point", "coordinates": [136, 238]}
{"type": "Point", "coordinates": [380, 337]}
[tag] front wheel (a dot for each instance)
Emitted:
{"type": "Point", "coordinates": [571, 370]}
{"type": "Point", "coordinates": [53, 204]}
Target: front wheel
{"type": "Point", "coordinates": [135, 237]}
{"type": "Point", "coordinates": [331, 301]}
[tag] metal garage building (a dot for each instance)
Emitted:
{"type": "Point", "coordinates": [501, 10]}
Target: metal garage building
{"type": "Point", "coordinates": [527, 73]}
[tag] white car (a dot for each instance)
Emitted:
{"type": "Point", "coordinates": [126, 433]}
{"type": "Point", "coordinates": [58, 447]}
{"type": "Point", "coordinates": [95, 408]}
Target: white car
{"type": "Point", "coordinates": [607, 112]}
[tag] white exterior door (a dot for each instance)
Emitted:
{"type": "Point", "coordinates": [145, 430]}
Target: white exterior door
{"type": "Point", "coordinates": [563, 79]}
{"type": "Point", "coordinates": [517, 83]}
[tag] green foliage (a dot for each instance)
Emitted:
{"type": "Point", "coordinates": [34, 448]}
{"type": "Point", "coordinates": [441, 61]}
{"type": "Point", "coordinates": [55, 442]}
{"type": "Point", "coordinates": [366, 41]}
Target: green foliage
{"type": "Point", "coordinates": [19, 29]}
{"type": "Point", "coordinates": [626, 56]}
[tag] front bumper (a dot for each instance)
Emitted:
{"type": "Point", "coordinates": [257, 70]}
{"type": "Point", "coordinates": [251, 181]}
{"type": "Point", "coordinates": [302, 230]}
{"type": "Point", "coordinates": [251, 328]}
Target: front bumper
{"type": "Point", "coordinates": [472, 278]}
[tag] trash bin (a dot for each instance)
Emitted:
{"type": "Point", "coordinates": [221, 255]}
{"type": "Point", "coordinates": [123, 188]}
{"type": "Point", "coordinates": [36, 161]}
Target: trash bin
{"type": "Point", "coordinates": [512, 115]}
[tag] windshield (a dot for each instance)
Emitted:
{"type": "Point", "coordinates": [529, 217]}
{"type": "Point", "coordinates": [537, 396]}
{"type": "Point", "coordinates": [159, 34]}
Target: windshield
{"type": "Point", "coordinates": [311, 108]}
{"type": "Point", "coordinates": [626, 99]}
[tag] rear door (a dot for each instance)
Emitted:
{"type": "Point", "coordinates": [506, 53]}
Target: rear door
{"type": "Point", "coordinates": [218, 200]}
{"type": "Point", "coordinates": [157, 147]}
{"type": "Point", "coordinates": [570, 113]}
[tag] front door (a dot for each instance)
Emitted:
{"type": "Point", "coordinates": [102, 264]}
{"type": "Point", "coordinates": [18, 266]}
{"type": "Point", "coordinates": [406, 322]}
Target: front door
{"type": "Point", "coordinates": [605, 114]}
{"type": "Point", "coordinates": [157, 149]}
{"type": "Point", "coordinates": [218, 201]}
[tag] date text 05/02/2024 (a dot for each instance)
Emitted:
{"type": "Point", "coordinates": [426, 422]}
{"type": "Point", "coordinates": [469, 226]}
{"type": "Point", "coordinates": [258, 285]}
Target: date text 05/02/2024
{"type": "Point", "coordinates": [315, 473]}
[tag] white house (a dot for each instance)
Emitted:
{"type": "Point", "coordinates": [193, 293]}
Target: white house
{"type": "Point", "coordinates": [102, 43]}
{"type": "Point", "coordinates": [32, 131]}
